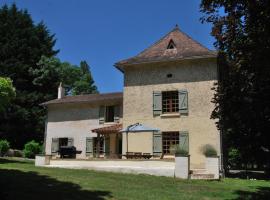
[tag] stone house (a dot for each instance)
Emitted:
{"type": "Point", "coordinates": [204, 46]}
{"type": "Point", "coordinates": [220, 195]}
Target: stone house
{"type": "Point", "coordinates": [167, 86]}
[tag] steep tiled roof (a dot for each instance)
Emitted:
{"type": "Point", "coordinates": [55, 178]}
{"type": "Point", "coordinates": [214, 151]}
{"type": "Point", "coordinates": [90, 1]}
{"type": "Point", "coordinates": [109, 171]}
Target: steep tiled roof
{"type": "Point", "coordinates": [90, 98]}
{"type": "Point", "coordinates": [108, 129]}
{"type": "Point", "coordinates": [175, 45]}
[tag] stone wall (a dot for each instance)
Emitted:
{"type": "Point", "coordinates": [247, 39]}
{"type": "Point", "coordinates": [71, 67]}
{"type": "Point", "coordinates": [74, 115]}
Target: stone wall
{"type": "Point", "coordinates": [75, 121]}
{"type": "Point", "coordinates": [198, 77]}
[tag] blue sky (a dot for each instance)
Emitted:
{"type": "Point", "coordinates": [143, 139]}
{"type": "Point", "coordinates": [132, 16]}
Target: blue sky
{"type": "Point", "coordinates": [103, 32]}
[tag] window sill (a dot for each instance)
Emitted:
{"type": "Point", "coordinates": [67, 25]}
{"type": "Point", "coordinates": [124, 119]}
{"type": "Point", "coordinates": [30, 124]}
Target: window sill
{"type": "Point", "coordinates": [110, 123]}
{"type": "Point", "coordinates": [170, 115]}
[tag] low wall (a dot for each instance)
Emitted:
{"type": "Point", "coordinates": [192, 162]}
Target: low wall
{"type": "Point", "coordinates": [156, 168]}
{"type": "Point", "coordinates": [212, 166]}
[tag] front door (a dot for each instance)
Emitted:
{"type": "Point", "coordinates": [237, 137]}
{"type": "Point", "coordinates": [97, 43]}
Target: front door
{"type": "Point", "coordinates": [119, 146]}
{"type": "Point", "coordinates": [107, 146]}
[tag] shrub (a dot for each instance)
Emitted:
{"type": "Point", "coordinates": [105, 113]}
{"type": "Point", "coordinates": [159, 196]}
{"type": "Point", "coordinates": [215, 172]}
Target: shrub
{"type": "Point", "coordinates": [234, 158]}
{"type": "Point", "coordinates": [4, 147]}
{"type": "Point", "coordinates": [31, 149]}
{"type": "Point", "coordinates": [178, 151]}
{"type": "Point", "coordinates": [18, 153]}
{"type": "Point", "coordinates": [209, 151]}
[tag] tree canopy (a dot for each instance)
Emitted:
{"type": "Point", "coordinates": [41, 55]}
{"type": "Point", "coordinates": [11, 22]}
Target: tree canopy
{"type": "Point", "coordinates": [7, 92]}
{"type": "Point", "coordinates": [77, 80]}
{"type": "Point", "coordinates": [84, 85]}
{"type": "Point", "coordinates": [27, 57]}
{"type": "Point", "coordinates": [242, 99]}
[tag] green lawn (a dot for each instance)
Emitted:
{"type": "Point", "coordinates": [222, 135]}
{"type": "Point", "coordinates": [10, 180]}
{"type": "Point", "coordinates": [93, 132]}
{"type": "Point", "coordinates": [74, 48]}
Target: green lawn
{"type": "Point", "coordinates": [22, 180]}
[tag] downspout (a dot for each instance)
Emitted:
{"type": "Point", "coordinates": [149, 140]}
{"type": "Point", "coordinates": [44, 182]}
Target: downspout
{"type": "Point", "coordinates": [45, 133]}
{"type": "Point", "coordinates": [220, 132]}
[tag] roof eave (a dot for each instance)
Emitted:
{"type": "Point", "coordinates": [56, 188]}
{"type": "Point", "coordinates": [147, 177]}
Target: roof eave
{"type": "Point", "coordinates": [120, 65]}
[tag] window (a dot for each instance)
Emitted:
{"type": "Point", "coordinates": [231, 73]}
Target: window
{"type": "Point", "coordinates": [169, 75]}
{"type": "Point", "coordinates": [170, 102]}
{"type": "Point", "coordinates": [101, 145]}
{"type": "Point", "coordinates": [63, 142]}
{"type": "Point", "coordinates": [109, 114]}
{"type": "Point", "coordinates": [169, 140]}
{"type": "Point", "coordinates": [171, 45]}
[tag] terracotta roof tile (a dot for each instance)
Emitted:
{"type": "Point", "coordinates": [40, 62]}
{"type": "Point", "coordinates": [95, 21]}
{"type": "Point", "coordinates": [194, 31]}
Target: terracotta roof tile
{"type": "Point", "coordinates": [108, 129]}
{"type": "Point", "coordinates": [90, 98]}
{"type": "Point", "coordinates": [185, 48]}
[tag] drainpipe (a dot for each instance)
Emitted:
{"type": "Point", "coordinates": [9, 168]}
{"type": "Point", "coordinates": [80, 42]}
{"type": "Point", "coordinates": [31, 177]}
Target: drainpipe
{"type": "Point", "coordinates": [221, 155]}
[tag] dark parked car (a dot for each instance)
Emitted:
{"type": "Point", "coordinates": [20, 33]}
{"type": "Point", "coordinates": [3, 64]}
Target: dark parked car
{"type": "Point", "coordinates": [68, 152]}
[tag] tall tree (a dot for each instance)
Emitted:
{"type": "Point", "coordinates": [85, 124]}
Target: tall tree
{"type": "Point", "coordinates": [76, 80]}
{"type": "Point", "coordinates": [86, 84]}
{"type": "Point", "coordinates": [22, 43]}
{"type": "Point", "coordinates": [242, 30]}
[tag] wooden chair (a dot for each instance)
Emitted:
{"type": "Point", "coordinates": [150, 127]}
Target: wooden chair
{"type": "Point", "coordinates": [146, 155]}
{"type": "Point", "coordinates": [138, 155]}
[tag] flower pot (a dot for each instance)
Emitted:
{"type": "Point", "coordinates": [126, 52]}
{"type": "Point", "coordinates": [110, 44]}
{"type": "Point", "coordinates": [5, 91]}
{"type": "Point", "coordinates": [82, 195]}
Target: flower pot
{"type": "Point", "coordinates": [182, 166]}
{"type": "Point", "coordinates": [41, 160]}
{"type": "Point", "coordinates": [212, 166]}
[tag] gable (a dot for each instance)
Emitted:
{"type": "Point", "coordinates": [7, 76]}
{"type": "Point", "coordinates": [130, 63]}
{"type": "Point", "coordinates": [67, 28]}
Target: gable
{"type": "Point", "coordinates": [173, 46]}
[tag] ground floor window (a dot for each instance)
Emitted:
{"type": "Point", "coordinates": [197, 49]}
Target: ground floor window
{"type": "Point", "coordinates": [169, 140]}
{"type": "Point", "coordinates": [63, 142]}
{"type": "Point", "coordinates": [101, 145]}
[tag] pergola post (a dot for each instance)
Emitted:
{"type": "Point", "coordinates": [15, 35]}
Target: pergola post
{"type": "Point", "coordinates": [127, 141]}
{"type": "Point", "coordinates": [98, 144]}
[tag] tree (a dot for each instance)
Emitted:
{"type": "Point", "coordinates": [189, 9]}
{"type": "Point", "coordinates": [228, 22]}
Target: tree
{"type": "Point", "coordinates": [86, 83]}
{"type": "Point", "coordinates": [22, 43]}
{"type": "Point", "coordinates": [52, 70]}
{"type": "Point", "coordinates": [7, 92]}
{"type": "Point", "coordinates": [242, 99]}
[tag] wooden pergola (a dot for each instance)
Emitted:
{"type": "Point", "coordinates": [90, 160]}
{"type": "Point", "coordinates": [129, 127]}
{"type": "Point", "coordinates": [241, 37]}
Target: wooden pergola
{"type": "Point", "coordinates": [107, 130]}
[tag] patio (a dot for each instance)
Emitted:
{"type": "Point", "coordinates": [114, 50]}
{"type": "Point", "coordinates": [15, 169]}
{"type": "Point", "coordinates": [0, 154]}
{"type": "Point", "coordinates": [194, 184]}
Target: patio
{"type": "Point", "coordinates": [150, 167]}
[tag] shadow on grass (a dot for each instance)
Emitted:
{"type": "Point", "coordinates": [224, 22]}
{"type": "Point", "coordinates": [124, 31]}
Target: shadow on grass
{"type": "Point", "coordinates": [261, 193]}
{"type": "Point", "coordinates": [15, 184]}
{"type": "Point", "coordinates": [249, 174]}
{"type": "Point", "coordinates": [6, 160]}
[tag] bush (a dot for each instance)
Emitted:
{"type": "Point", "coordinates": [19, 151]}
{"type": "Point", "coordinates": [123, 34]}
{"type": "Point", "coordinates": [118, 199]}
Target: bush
{"type": "Point", "coordinates": [31, 149]}
{"type": "Point", "coordinates": [234, 158]}
{"type": "Point", "coordinates": [178, 151]}
{"type": "Point", "coordinates": [18, 153]}
{"type": "Point", "coordinates": [14, 153]}
{"type": "Point", "coordinates": [4, 147]}
{"type": "Point", "coordinates": [209, 151]}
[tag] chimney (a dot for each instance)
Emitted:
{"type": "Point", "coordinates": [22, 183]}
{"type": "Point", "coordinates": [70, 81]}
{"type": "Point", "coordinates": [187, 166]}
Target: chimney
{"type": "Point", "coordinates": [61, 91]}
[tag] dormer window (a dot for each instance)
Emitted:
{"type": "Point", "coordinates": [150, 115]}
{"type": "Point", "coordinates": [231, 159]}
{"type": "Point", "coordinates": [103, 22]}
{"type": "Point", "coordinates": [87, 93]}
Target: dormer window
{"type": "Point", "coordinates": [171, 45]}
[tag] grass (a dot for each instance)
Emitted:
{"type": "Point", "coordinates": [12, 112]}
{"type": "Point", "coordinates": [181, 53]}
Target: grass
{"type": "Point", "coordinates": [20, 179]}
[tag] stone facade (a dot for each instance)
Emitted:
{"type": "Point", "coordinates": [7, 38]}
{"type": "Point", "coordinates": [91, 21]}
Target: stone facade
{"type": "Point", "coordinates": [74, 121]}
{"type": "Point", "coordinates": [174, 63]}
{"type": "Point", "coordinates": [197, 77]}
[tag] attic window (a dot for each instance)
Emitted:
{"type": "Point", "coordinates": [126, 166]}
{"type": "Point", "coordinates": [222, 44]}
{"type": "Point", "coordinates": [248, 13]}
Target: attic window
{"type": "Point", "coordinates": [171, 45]}
{"type": "Point", "coordinates": [169, 75]}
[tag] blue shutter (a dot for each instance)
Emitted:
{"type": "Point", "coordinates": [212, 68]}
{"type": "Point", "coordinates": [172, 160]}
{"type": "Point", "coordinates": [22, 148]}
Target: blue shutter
{"type": "Point", "coordinates": [157, 143]}
{"type": "Point", "coordinates": [184, 140]}
{"type": "Point", "coordinates": [157, 103]}
{"type": "Point", "coordinates": [89, 146]}
{"type": "Point", "coordinates": [116, 114]}
{"type": "Point", "coordinates": [70, 142]}
{"type": "Point", "coordinates": [101, 114]}
{"type": "Point", "coordinates": [183, 101]}
{"type": "Point", "coordinates": [55, 145]}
